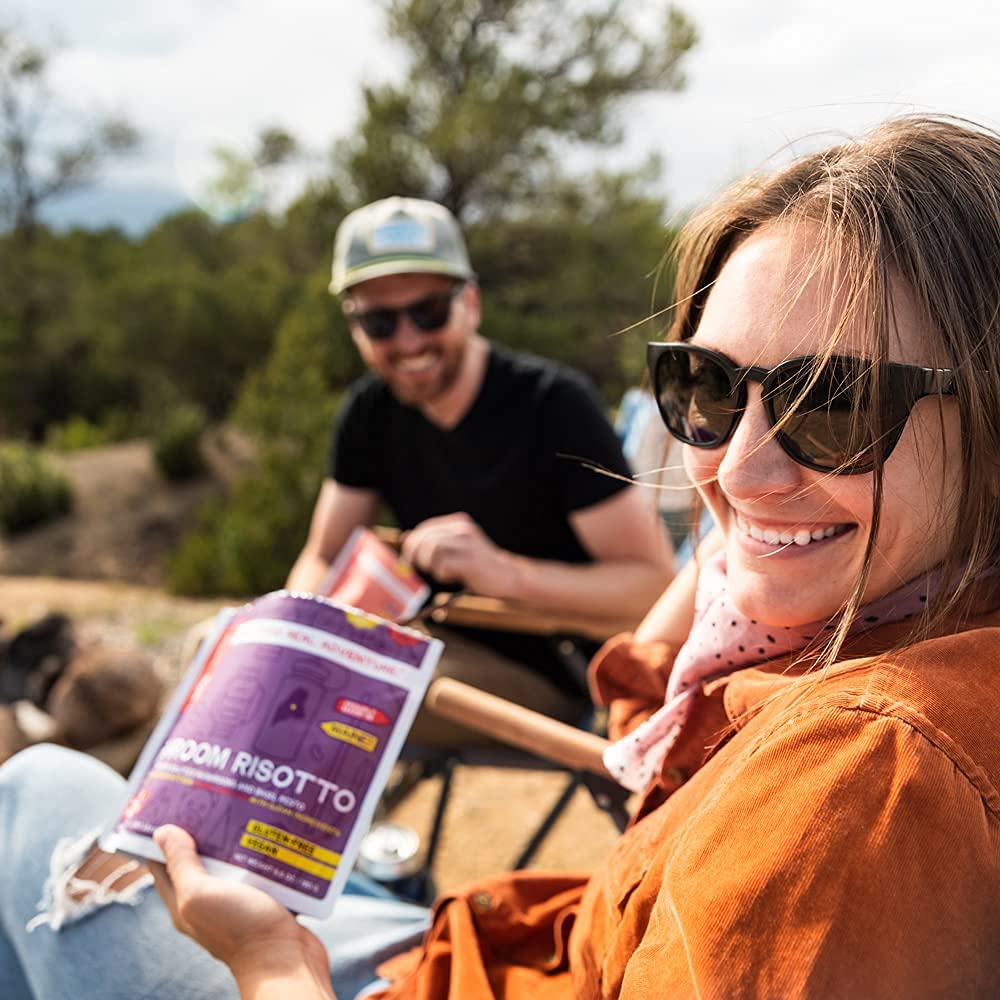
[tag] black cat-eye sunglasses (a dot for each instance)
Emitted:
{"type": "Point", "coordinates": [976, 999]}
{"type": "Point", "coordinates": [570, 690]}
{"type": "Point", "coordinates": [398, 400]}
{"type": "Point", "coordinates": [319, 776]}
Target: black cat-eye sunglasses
{"type": "Point", "coordinates": [824, 407]}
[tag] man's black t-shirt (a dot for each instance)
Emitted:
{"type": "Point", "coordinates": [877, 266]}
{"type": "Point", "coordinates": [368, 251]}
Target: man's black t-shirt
{"type": "Point", "coordinates": [518, 463]}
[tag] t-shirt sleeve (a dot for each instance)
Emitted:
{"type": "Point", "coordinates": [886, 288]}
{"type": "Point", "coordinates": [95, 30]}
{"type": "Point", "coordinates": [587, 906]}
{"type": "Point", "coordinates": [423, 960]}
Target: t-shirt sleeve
{"type": "Point", "coordinates": [580, 443]}
{"type": "Point", "coordinates": [847, 856]}
{"type": "Point", "coordinates": [354, 461]}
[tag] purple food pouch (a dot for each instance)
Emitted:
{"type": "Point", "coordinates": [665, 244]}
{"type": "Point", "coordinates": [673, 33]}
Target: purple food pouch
{"type": "Point", "coordinates": [277, 745]}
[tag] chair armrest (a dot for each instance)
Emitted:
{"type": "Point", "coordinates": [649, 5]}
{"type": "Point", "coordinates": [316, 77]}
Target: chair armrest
{"type": "Point", "coordinates": [392, 537]}
{"type": "Point", "coordinates": [510, 616]}
{"type": "Point", "coordinates": [518, 726]}
{"type": "Point", "coordinates": [475, 611]}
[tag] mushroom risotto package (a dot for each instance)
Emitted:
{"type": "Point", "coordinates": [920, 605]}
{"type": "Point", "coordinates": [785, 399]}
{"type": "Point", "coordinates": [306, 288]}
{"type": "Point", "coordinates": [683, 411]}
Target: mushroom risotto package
{"type": "Point", "coordinates": [277, 744]}
{"type": "Point", "coordinates": [368, 574]}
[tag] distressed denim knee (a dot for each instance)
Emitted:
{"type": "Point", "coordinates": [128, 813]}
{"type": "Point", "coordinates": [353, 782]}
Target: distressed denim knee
{"type": "Point", "coordinates": [50, 766]}
{"type": "Point", "coordinates": [49, 789]}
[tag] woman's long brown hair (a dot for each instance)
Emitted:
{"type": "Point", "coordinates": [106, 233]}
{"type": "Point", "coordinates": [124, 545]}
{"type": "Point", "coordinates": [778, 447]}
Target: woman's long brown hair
{"type": "Point", "coordinates": [915, 201]}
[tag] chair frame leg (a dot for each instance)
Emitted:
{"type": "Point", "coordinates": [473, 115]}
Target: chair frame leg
{"type": "Point", "coordinates": [610, 797]}
{"type": "Point", "coordinates": [447, 771]}
{"type": "Point", "coordinates": [607, 795]}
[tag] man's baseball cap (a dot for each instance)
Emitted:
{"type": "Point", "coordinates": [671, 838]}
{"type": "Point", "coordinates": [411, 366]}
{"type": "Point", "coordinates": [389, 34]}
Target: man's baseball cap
{"type": "Point", "coordinates": [398, 236]}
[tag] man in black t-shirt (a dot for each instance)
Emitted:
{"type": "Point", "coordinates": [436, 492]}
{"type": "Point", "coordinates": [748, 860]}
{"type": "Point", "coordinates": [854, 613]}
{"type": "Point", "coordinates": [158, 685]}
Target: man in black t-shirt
{"type": "Point", "coordinates": [485, 458]}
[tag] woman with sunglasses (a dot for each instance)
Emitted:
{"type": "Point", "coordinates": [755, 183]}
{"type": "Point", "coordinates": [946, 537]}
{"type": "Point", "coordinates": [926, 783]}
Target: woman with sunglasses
{"type": "Point", "coordinates": [816, 742]}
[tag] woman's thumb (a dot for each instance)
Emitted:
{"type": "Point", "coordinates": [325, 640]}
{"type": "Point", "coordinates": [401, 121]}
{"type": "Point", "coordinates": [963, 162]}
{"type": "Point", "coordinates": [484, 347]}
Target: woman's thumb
{"type": "Point", "coordinates": [179, 851]}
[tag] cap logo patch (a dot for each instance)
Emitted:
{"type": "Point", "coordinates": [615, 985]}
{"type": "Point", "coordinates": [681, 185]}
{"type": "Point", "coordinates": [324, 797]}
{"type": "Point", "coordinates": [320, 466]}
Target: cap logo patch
{"type": "Point", "coordinates": [402, 233]}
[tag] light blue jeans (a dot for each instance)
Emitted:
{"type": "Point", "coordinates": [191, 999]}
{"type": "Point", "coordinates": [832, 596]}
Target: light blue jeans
{"type": "Point", "coordinates": [122, 952]}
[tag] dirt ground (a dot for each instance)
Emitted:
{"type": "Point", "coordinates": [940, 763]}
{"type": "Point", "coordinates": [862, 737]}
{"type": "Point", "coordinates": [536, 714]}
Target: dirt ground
{"type": "Point", "coordinates": [126, 518]}
{"type": "Point", "coordinates": [102, 565]}
{"type": "Point", "coordinates": [492, 811]}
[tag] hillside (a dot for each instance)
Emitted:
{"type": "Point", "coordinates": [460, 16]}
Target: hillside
{"type": "Point", "coordinates": [126, 517]}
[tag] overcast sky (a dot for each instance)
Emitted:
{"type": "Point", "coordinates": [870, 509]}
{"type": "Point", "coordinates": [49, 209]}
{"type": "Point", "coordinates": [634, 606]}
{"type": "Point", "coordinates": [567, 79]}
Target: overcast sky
{"type": "Point", "coordinates": [195, 73]}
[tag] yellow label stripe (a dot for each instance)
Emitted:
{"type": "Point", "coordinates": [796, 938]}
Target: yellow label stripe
{"type": "Point", "coordinates": [165, 776]}
{"type": "Point", "coordinates": [272, 850]}
{"type": "Point", "coordinates": [359, 738]}
{"type": "Point", "coordinates": [292, 842]}
{"type": "Point", "coordinates": [333, 831]}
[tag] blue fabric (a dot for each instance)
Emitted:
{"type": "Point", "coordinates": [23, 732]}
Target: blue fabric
{"type": "Point", "coordinates": [128, 953]}
{"type": "Point", "coordinates": [686, 550]}
{"type": "Point", "coordinates": [635, 408]}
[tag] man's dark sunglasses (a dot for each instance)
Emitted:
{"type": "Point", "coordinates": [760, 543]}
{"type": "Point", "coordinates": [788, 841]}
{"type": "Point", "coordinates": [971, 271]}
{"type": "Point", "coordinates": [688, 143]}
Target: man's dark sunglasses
{"type": "Point", "coordinates": [824, 406]}
{"type": "Point", "coordinates": [428, 314]}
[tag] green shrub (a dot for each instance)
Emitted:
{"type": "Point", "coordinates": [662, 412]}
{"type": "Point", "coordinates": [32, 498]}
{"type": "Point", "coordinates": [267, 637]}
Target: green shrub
{"type": "Point", "coordinates": [31, 490]}
{"type": "Point", "coordinates": [75, 434]}
{"type": "Point", "coordinates": [246, 545]}
{"type": "Point", "coordinates": [177, 444]}
{"type": "Point", "coordinates": [78, 432]}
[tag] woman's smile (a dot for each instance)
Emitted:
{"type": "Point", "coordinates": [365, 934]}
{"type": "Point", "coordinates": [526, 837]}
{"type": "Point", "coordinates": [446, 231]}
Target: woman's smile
{"type": "Point", "coordinates": [774, 535]}
{"type": "Point", "coordinates": [796, 538]}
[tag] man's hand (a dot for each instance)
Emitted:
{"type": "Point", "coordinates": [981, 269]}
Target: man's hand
{"type": "Point", "coordinates": [454, 549]}
{"type": "Point", "coordinates": [267, 950]}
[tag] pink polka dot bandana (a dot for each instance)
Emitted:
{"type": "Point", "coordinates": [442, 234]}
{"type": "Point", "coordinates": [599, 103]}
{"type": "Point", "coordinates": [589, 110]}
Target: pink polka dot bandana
{"type": "Point", "coordinates": [723, 640]}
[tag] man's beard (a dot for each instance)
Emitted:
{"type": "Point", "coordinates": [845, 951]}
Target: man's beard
{"type": "Point", "coordinates": [449, 361]}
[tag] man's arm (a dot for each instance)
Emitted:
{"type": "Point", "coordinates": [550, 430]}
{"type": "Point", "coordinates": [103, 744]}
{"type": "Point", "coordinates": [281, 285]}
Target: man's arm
{"type": "Point", "coordinates": [339, 510]}
{"type": "Point", "coordinates": [632, 563]}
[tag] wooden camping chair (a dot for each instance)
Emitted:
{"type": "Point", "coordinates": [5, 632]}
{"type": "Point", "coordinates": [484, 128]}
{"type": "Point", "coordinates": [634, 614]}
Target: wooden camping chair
{"type": "Point", "coordinates": [532, 741]}
{"type": "Point", "coordinates": [529, 740]}
{"type": "Point", "coordinates": [550, 745]}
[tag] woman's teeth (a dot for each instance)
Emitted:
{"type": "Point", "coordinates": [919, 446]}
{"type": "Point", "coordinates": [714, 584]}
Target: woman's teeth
{"type": "Point", "coordinates": [802, 536]}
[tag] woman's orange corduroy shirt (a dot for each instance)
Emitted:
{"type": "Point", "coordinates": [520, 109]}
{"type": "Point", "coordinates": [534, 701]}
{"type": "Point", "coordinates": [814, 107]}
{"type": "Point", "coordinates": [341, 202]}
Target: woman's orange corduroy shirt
{"type": "Point", "coordinates": [845, 842]}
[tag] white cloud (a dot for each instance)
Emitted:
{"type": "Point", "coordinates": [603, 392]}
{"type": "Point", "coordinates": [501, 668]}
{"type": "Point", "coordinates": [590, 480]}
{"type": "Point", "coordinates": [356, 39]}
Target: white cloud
{"type": "Point", "coordinates": [201, 75]}
{"type": "Point", "coordinates": [766, 77]}
{"type": "Point", "coordinates": [193, 72]}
